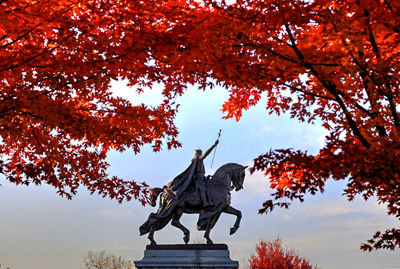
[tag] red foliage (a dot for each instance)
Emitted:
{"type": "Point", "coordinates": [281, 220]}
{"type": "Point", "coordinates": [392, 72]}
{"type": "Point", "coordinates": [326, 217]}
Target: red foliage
{"type": "Point", "coordinates": [334, 62]}
{"type": "Point", "coordinates": [271, 255]}
{"type": "Point", "coordinates": [329, 61]}
{"type": "Point", "coordinates": [58, 117]}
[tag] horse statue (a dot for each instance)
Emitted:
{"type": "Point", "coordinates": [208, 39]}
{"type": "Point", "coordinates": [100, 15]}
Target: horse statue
{"type": "Point", "coordinates": [228, 177]}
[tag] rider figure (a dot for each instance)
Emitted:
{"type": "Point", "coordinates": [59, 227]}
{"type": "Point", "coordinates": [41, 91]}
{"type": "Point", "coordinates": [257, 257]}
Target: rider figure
{"type": "Point", "coordinates": [199, 173]}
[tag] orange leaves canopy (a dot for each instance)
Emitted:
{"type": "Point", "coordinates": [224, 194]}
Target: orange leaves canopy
{"type": "Point", "coordinates": [58, 117]}
{"type": "Point", "coordinates": [336, 62]}
{"type": "Point", "coordinates": [331, 61]}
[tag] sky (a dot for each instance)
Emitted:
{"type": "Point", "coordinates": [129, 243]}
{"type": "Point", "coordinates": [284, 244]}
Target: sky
{"type": "Point", "coordinates": [39, 229]}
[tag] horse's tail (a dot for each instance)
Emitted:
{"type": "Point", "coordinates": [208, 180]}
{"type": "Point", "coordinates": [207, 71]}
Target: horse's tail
{"type": "Point", "coordinates": [153, 196]}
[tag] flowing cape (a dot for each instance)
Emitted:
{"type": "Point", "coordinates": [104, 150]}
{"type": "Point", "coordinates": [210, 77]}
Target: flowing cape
{"type": "Point", "coordinates": [180, 183]}
{"type": "Point", "coordinates": [170, 198]}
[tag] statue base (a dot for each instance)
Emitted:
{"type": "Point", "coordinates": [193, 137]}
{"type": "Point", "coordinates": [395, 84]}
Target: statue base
{"type": "Point", "coordinates": [187, 256]}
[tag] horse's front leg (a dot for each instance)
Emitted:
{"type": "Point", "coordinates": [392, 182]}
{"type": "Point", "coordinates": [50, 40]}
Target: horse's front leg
{"type": "Point", "coordinates": [237, 213]}
{"type": "Point", "coordinates": [175, 222]}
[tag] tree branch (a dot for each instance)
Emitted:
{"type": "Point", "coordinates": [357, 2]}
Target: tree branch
{"type": "Point", "coordinates": [20, 37]}
{"type": "Point", "coordinates": [306, 92]}
{"type": "Point", "coordinates": [364, 71]}
{"type": "Point", "coordinates": [282, 56]}
{"type": "Point", "coordinates": [388, 5]}
{"type": "Point", "coordinates": [352, 124]}
{"type": "Point", "coordinates": [39, 54]}
{"type": "Point", "coordinates": [371, 76]}
{"type": "Point", "coordinates": [36, 138]}
{"type": "Point", "coordinates": [373, 42]}
{"type": "Point", "coordinates": [388, 86]}
{"type": "Point", "coordinates": [330, 87]}
{"type": "Point", "coordinates": [3, 37]}
{"type": "Point", "coordinates": [267, 49]}
{"type": "Point", "coordinates": [381, 129]}
{"type": "Point", "coordinates": [393, 110]}
{"type": "Point", "coordinates": [354, 103]}
{"type": "Point", "coordinates": [371, 34]}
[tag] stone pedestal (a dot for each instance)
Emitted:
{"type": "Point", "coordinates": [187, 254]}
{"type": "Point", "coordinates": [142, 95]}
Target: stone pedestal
{"type": "Point", "coordinates": [194, 256]}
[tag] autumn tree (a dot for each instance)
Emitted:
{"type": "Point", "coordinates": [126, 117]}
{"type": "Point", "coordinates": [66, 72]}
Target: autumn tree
{"type": "Point", "coordinates": [102, 260]}
{"type": "Point", "coordinates": [272, 255]}
{"type": "Point", "coordinates": [58, 115]}
{"type": "Point", "coordinates": [334, 62]}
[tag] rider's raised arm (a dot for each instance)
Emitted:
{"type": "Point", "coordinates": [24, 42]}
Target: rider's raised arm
{"type": "Point", "coordinates": [205, 154]}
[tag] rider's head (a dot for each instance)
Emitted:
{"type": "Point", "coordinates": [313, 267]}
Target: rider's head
{"type": "Point", "coordinates": [197, 152]}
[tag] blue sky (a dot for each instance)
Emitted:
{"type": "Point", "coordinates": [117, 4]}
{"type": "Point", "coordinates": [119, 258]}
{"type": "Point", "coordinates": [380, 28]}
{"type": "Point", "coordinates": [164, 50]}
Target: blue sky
{"type": "Point", "coordinates": [39, 229]}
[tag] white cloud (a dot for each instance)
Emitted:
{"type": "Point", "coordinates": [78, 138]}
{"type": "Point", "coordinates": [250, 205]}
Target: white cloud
{"type": "Point", "coordinates": [255, 186]}
{"type": "Point", "coordinates": [341, 207]}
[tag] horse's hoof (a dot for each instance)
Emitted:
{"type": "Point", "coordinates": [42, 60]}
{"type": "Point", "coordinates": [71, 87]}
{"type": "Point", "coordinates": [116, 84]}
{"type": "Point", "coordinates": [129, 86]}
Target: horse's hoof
{"type": "Point", "coordinates": [209, 241]}
{"type": "Point", "coordinates": [186, 239]}
{"type": "Point", "coordinates": [233, 230]}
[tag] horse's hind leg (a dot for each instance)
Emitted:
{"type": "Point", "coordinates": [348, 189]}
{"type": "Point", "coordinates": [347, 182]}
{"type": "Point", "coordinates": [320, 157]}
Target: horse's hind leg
{"type": "Point", "coordinates": [151, 236]}
{"type": "Point", "coordinates": [210, 224]}
{"type": "Point", "coordinates": [207, 236]}
{"type": "Point", "coordinates": [175, 222]}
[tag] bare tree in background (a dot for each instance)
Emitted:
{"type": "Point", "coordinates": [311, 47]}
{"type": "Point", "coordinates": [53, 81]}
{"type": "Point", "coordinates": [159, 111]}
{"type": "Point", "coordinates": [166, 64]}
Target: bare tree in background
{"type": "Point", "coordinates": [101, 260]}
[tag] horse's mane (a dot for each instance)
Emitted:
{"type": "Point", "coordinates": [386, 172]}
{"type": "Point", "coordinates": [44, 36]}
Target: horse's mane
{"type": "Point", "coordinates": [226, 167]}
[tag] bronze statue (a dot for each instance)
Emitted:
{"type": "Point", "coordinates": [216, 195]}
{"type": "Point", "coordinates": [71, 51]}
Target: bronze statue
{"type": "Point", "coordinates": [193, 193]}
{"type": "Point", "coordinates": [199, 173]}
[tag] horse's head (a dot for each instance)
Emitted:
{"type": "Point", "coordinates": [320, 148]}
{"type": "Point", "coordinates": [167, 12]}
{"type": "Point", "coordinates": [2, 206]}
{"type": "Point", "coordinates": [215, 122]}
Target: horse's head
{"type": "Point", "coordinates": [230, 175]}
{"type": "Point", "coordinates": [238, 178]}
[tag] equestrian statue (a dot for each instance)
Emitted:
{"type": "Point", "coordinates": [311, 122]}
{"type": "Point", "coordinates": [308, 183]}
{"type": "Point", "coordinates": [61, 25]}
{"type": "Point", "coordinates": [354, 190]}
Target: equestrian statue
{"type": "Point", "coordinates": [192, 192]}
